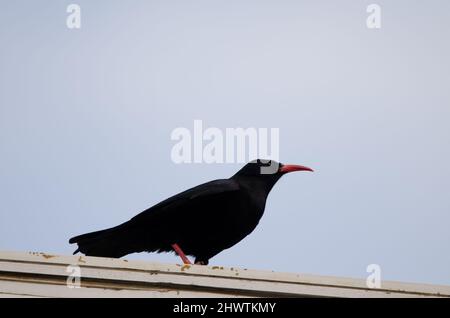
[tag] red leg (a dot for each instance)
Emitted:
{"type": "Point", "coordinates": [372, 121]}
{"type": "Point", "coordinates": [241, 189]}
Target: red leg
{"type": "Point", "coordinates": [181, 254]}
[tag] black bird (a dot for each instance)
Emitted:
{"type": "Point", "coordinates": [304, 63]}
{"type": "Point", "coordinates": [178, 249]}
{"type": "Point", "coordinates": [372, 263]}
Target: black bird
{"type": "Point", "coordinates": [201, 221]}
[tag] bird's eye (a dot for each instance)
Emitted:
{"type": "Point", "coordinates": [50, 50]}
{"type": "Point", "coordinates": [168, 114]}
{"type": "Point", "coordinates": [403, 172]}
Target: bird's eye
{"type": "Point", "coordinates": [265, 163]}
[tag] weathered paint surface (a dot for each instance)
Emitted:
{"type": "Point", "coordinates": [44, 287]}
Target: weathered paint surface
{"type": "Point", "coordinates": [36, 274]}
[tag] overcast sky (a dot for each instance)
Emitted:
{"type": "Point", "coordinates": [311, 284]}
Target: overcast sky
{"type": "Point", "coordinates": [86, 117]}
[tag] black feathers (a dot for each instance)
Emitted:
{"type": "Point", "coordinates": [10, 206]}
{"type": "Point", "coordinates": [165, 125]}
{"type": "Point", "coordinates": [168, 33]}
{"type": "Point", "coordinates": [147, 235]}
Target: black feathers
{"type": "Point", "coordinates": [203, 220]}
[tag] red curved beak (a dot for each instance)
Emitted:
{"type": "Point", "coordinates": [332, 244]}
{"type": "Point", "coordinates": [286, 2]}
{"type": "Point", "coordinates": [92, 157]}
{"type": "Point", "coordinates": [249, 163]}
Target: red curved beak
{"type": "Point", "coordinates": [292, 168]}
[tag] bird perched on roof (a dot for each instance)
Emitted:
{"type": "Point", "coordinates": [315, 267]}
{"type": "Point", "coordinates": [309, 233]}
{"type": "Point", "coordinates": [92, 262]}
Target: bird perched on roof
{"type": "Point", "coordinates": [201, 221]}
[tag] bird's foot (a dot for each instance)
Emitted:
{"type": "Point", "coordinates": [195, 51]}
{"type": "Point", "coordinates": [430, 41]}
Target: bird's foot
{"type": "Point", "coordinates": [201, 263]}
{"type": "Point", "coordinates": [180, 252]}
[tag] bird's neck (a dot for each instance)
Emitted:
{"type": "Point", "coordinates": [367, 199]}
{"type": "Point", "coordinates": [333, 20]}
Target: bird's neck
{"type": "Point", "coordinates": [257, 186]}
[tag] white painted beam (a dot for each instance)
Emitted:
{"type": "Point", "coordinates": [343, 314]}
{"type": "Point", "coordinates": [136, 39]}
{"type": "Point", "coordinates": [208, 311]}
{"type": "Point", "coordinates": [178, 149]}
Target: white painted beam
{"type": "Point", "coordinates": [43, 275]}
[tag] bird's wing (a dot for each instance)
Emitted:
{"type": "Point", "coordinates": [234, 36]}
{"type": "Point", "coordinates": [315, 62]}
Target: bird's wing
{"type": "Point", "coordinates": [183, 215]}
{"type": "Point", "coordinates": [193, 196]}
{"type": "Point", "coordinates": [163, 224]}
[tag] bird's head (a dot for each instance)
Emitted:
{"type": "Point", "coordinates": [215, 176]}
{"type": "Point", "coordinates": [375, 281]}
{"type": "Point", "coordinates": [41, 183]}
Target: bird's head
{"type": "Point", "coordinates": [267, 172]}
{"type": "Point", "coordinates": [261, 167]}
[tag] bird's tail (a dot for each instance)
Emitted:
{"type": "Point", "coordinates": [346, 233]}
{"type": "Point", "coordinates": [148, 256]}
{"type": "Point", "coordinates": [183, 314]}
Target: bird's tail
{"type": "Point", "coordinates": [105, 243]}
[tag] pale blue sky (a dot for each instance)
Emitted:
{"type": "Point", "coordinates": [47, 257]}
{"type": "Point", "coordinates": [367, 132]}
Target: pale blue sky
{"type": "Point", "coordinates": [86, 117]}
